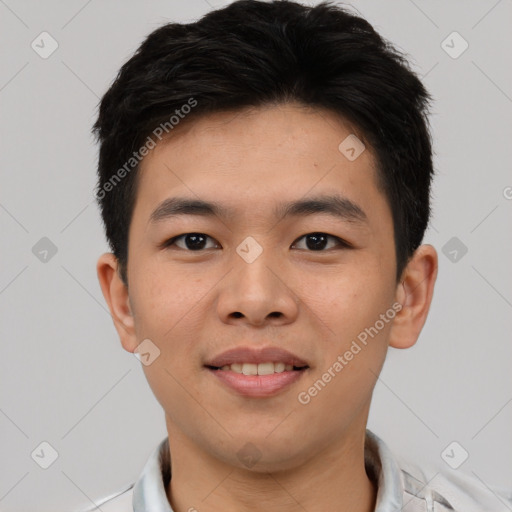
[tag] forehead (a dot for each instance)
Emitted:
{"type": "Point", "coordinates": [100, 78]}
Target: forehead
{"type": "Point", "coordinates": [271, 128]}
{"type": "Point", "coordinates": [257, 156]}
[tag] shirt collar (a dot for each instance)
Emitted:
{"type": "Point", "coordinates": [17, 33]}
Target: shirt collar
{"type": "Point", "coordinates": [149, 490]}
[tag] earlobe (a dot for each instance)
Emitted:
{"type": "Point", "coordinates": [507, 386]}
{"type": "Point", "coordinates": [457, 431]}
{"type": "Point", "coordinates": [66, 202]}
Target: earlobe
{"type": "Point", "coordinates": [117, 298]}
{"type": "Point", "coordinates": [414, 293]}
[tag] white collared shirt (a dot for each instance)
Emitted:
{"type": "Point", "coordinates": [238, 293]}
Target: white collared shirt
{"type": "Point", "coordinates": [398, 489]}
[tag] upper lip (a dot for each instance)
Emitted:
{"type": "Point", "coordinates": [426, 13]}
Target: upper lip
{"type": "Point", "coordinates": [256, 356]}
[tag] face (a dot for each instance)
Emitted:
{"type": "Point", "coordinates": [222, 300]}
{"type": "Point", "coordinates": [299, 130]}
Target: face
{"type": "Point", "coordinates": [311, 282]}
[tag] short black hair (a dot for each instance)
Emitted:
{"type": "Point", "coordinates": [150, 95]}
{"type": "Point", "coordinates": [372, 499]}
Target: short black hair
{"type": "Point", "coordinates": [251, 54]}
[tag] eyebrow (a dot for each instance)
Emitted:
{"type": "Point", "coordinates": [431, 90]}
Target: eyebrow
{"type": "Point", "coordinates": [335, 205]}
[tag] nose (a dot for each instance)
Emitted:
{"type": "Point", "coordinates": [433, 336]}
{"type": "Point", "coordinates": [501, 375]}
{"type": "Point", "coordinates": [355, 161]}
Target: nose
{"type": "Point", "coordinates": [257, 294]}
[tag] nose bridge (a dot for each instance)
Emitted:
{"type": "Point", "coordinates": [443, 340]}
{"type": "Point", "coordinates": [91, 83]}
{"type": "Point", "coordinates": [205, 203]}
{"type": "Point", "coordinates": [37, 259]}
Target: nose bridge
{"type": "Point", "coordinates": [254, 267]}
{"type": "Point", "coordinates": [255, 290]}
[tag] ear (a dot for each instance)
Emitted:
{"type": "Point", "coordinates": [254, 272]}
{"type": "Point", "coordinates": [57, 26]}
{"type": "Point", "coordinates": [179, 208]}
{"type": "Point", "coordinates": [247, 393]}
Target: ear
{"type": "Point", "coordinates": [414, 292]}
{"type": "Point", "coordinates": [116, 294]}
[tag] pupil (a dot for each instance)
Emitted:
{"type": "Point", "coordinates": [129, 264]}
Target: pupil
{"type": "Point", "coordinates": [318, 241]}
{"type": "Point", "coordinates": [194, 241]}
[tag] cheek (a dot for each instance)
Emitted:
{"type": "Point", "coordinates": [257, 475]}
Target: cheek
{"type": "Point", "coordinates": [351, 354]}
{"type": "Point", "coordinates": [164, 300]}
{"type": "Point", "coordinates": [345, 297]}
{"type": "Point", "coordinates": [347, 308]}
{"type": "Point", "coordinates": [173, 307]}
{"type": "Point", "coordinates": [170, 315]}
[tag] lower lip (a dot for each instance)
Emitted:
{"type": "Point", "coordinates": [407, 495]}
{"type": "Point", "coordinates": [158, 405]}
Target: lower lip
{"type": "Point", "coordinates": [257, 385]}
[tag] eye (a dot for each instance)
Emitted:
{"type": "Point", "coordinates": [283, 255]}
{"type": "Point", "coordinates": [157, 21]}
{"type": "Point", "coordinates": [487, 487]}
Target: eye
{"type": "Point", "coordinates": [192, 241]}
{"type": "Point", "coordinates": [318, 241]}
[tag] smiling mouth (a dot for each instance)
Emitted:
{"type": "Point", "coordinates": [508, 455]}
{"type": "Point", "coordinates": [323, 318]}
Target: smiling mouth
{"type": "Point", "coordinates": [257, 380]}
{"type": "Point", "coordinates": [268, 368]}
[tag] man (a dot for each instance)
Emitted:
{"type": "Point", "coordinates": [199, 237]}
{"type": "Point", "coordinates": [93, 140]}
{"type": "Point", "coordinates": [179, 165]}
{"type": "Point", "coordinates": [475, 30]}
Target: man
{"type": "Point", "coordinates": [264, 182]}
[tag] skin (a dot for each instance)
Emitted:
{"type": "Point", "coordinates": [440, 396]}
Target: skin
{"type": "Point", "coordinates": [193, 305]}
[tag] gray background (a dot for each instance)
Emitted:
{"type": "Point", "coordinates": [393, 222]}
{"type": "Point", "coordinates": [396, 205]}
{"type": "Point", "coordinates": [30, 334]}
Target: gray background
{"type": "Point", "coordinates": [65, 378]}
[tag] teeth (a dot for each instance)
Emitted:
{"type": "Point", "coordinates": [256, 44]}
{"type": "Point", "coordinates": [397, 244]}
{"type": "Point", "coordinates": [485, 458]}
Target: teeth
{"type": "Point", "coordinates": [258, 369]}
{"type": "Point", "coordinates": [250, 369]}
{"type": "Point", "coordinates": [265, 368]}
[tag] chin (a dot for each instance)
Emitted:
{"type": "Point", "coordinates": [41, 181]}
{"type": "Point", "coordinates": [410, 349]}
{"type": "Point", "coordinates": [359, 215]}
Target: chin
{"type": "Point", "coordinates": [261, 454]}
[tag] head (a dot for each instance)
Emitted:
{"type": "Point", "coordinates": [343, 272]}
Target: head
{"type": "Point", "coordinates": [297, 139]}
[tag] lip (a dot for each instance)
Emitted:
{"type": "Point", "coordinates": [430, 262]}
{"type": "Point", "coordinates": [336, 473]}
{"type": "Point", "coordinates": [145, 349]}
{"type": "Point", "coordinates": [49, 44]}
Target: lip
{"type": "Point", "coordinates": [256, 356]}
{"type": "Point", "coordinates": [257, 386]}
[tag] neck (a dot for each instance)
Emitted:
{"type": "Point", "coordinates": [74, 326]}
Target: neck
{"type": "Point", "coordinates": [332, 479]}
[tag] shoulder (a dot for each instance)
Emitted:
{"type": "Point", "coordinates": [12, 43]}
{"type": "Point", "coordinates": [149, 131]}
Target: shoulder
{"type": "Point", "coordinates": [443, 491]}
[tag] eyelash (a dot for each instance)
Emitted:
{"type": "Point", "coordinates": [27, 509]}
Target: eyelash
{"type": "Point", "coordinates": [170, 242]}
